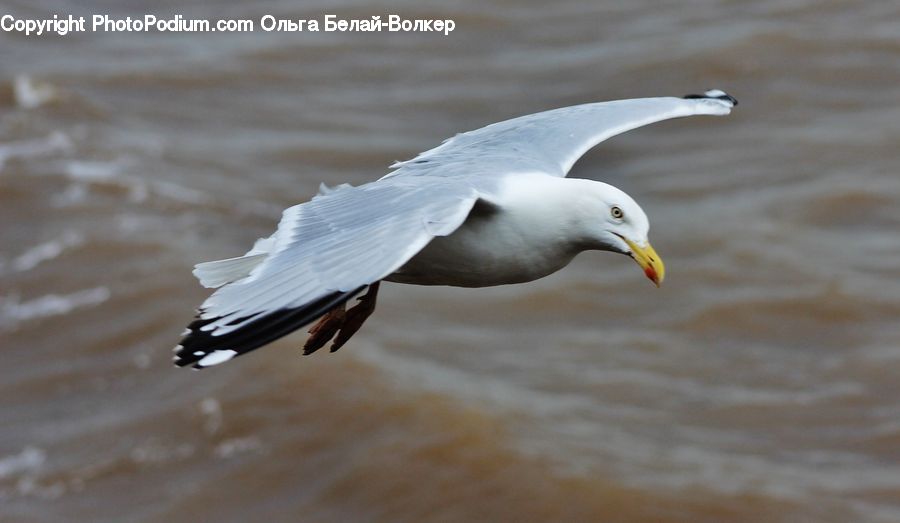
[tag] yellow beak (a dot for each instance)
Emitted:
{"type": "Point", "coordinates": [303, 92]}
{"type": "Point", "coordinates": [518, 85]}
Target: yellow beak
{"type": "Point", "coordinates": [647, 258]}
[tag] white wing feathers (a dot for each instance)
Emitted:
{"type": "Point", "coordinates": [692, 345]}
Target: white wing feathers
{"type": "Point", "coordinates": [214, 274]}
{"type": "Point", "coordinates": [338, 242]}
{"type": "Point", "coordinates": [323, 252]}
{"type": "Point", "coordinates": [556, 139]}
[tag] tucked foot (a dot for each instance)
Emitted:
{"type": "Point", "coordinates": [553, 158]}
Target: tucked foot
{"type": "Point", "coordinates": [356, 316]}
{"type": "Point", "coordinates": [327, 326]}
{"type": "Point", "coordinates": [341, 324]}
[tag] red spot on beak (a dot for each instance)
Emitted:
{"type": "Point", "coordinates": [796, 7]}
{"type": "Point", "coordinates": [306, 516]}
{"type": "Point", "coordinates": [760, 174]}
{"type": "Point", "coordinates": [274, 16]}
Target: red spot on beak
{"type": "Point", "coordinates": [650, 272]}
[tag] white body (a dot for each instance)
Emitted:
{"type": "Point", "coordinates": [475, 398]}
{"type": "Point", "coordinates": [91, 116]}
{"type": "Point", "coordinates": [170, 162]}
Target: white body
{"type": "Point", "coordinates": [534, 230]}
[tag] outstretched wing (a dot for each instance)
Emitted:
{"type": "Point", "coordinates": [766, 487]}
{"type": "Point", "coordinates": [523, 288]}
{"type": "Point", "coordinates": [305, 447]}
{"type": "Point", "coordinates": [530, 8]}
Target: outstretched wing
{"type": "Point", "coordinates": [324, 252]}
{"type": "Point", "coordinates": [552, 141]}
{"type": "Point", "coordinates": [332, 247]}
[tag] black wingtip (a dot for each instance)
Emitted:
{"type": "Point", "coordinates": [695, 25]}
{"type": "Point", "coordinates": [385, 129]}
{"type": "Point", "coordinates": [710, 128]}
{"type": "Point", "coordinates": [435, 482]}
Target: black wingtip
{"type": "Point", "coordinates": [201, 348]}
{"type": "Point", "coordinates": [714, 94]}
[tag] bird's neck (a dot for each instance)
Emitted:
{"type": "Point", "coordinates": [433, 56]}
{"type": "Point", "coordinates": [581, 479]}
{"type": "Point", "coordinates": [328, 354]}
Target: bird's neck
{"type": "Point", "coordinates": [558, 209]}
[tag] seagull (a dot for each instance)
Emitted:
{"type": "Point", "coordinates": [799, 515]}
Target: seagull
{"type": "Point", "coordinates": [487, 207]}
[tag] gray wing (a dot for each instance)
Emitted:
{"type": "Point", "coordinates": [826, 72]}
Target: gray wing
{"type": "Point", "coordinates": [323, 252]}
{"type": "Point", "coordinates": [552, 141]}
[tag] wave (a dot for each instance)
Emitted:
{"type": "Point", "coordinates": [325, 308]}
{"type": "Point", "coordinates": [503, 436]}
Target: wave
{"type": "Point", "coordinates": [14, 311]}
{"type": "Point", "coordinates": [46, 251]}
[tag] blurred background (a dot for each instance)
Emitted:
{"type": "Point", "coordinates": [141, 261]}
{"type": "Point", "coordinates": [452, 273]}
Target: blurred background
{"type": "Point", "coordinates": [758, 384]}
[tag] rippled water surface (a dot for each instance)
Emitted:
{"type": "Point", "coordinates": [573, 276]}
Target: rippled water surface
{"type": "Point", "coordinates": [758, 384]}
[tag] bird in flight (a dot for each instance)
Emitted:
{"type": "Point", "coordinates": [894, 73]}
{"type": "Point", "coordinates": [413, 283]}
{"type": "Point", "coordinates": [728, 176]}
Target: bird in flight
{"type": "Point", "coordinates": [487, 207]}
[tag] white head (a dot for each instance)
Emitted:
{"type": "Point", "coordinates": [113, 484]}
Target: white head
{"type": "Point", "coordinates": [618, 224]}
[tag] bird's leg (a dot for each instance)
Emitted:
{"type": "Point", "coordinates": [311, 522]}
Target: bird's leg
{"type": "Point", "coordinates": [343, 323]}
{"type": "Point", "coordinates": [324, 329]}
{"type": "Point", "coordinates": [356, 316]}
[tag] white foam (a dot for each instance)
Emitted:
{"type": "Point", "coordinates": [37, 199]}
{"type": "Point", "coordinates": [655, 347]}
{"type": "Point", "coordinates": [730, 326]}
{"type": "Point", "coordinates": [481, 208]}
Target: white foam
{"type": "Point", "coordinates": [142, 361]}
{"type": "Point", "coordinates": [13, 311]}
{"type": "Point", "coordinates": [46, 251]}
{"type": "Point", "coordinates": [29, 460]}
{"type": "Point", "coordinates": [212, 414]}
{"type": "Point", "coordinates": [74, 194]}
{"type": "Point", "coordinates": [55, 142]}
{"type": "Point", "coordinates": [233, 446]}
{"type": "Point", "coordinates": [154, 452]}
{"type": "Point", "coordinates": [216, 357]}
{"type": "Point", "coordinates": [90, 171]}
{"type": "Point", "coordinates": [86, 172]}
{"type": "Point", "coordinates": [30, 93]}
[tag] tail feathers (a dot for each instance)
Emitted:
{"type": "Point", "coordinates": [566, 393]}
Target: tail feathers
{"type": "Point", "coordinates": [217, 273]}
{"type": "Point", "coordinates": [201, 348]}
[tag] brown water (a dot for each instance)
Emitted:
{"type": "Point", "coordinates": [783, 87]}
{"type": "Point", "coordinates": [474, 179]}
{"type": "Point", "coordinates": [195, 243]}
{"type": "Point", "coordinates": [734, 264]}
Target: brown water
{"type": "Point", "coordinates": [759, 384]}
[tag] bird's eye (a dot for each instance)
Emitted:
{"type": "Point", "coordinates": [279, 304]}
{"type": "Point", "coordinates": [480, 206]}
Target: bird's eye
{"type": "Point", "coordinates": [617, 212]}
